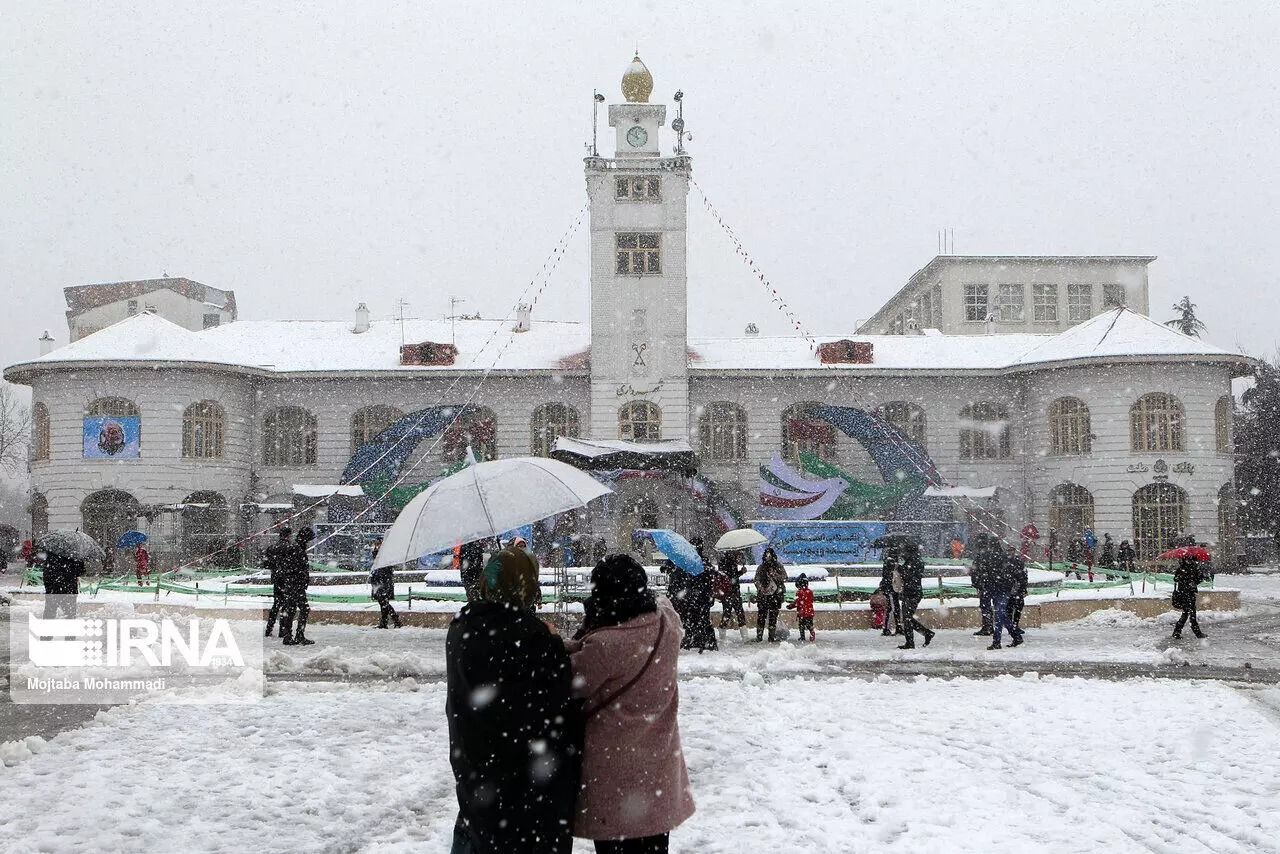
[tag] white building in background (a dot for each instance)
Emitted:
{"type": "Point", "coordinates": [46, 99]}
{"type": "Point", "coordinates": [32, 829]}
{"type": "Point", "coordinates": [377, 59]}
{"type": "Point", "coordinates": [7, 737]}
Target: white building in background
{"type": "Point", "coordinates": [189, 304]}
{"type": "Point", "coordinates": [1076, 412]}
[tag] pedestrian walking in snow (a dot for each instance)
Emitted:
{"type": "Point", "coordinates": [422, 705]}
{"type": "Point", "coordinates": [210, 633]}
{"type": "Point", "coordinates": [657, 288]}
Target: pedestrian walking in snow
{"type": "Point", "coordinates": [909, 578]}
{"type": "Point", "coordinates": [803, 606]}
{"type": "Point", "coordinates": [1075, 554]}
{"type": "Point", "coordinates": [515, 731]}
{"type": "Point", "coordinates": [987, 557]}
{"type": "Point", "coordinates": [1108, 558]}
{"type": "Point", "coordinates": [470, 565]}
{"type": "Point", "coordinates": [1002, 588]}
{"type": "Point", "coordinates": [274, 561]}
{"type": "Point", "coordinates": [141, 563]}
{"type": "Point", "coordinates": [1126, 556]}
{"type": "Point", "coordinates": [635, 786]}
{"type": "Point", "coordinates": [1186, 578]}
{"type": "Point", "coordinates": [771, 589]}
{"type": "Point", "coordinates": [729, 582]}
{"type": "Point", "coordinates": [698, 631]}
{"type": "Point", "coordinates": [383, 584]}
{"type": "Point", "coordinates": [61, 575]}
{"type": "Point", "coordinates": [296, 579]}
{"type": "Point", "coordinates": [892, 597]}
{"type": "Point", "coordinates": [1018, 594]}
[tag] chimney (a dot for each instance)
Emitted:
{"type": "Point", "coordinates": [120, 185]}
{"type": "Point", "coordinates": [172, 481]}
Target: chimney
{"type": "Point", "coordinates": [524, 318]}
{"type": "Point", "coordinates": [752, 329]}
{"type": "Point", "coordinates": [46, 343]}
{"type": "Point", "coordinates": [362, 319]}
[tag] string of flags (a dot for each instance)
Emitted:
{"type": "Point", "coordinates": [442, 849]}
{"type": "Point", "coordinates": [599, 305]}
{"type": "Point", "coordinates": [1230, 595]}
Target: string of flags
{"type": "Point", "coordinates": [741, 250]}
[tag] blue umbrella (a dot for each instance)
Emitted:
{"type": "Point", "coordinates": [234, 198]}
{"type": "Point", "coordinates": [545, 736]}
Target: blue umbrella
{"type": "Point", "coordinates": [130, 539]}
{"type": "Point", "coordinates": [676, 548]}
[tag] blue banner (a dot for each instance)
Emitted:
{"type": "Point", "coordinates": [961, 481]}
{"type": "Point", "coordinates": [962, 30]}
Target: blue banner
{"type": "Point", "coordinates": [822, 542]}
{"type": "Point", "coordinates": [112, 437]}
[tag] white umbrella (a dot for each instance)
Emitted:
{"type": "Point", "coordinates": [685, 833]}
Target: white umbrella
{"type": "Point", "coordinates": [743, 538]}
{"type": "Point", "coordinates": [483, 501]}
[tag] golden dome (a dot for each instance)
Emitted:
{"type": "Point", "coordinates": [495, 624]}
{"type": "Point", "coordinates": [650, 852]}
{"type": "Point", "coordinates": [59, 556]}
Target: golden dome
{"type": "Point", "coordinates": [637, 82]}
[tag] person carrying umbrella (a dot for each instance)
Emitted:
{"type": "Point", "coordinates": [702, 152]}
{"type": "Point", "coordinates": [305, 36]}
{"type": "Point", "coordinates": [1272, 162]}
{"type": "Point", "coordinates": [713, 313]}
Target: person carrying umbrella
{"type": "Point", "coordinates": [771, 589]}
{"type": "Point", "coordinates": [382, 582]}
{"type": "Point", "coordinates": [1186, 578]}
{"type": "Point", "coordinates": [729, 584]}
{"type": "Point", "coordinates": [141, 562]}
{"type": "Point", "coordinates": [699, 633]}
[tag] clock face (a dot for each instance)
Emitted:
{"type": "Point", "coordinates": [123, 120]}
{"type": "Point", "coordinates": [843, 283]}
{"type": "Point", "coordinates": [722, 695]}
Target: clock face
{"type": "Point", "coordinates": [637, 136]}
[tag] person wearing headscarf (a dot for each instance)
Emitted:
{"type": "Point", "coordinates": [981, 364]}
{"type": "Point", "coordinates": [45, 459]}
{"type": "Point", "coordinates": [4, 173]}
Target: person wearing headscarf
{"type": "Point", "coordinates": [514, 726]}
{"type": "Point", "coordinates": [635, 785]}
{"type": "Point", "coordinates": [699, 634]}
{"type": "Point", "coordinates": [295, 578]}
{"type": "Point", "coordinates": [771, 589]}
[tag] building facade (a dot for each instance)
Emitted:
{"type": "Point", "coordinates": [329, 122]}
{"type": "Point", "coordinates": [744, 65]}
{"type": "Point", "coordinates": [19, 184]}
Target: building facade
{"type": "Point", "coordinates": [1095, 417]}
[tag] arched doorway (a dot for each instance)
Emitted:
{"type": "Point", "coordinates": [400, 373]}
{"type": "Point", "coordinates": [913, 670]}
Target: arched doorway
{"type": "Point", "coordinates": [204, 524]}
{"type": "Point", "coordinates": [107, 514]}
{"type": "Point", "coordinates": [1159, 516]}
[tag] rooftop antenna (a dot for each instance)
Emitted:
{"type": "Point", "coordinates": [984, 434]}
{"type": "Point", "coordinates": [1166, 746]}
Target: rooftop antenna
{"type": "Point", "coordinates": [453, 319]}
{"type": "Point", "coordinates": [677, 124]}
{"type": "Point", "coordinates": [596, 100]}
{"type": "Point", "coordinates": [401, 305]}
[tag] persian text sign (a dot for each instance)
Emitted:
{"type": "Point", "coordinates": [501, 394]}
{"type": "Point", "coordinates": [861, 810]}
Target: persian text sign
{"type": "Point", "coordinates": [822, 542]}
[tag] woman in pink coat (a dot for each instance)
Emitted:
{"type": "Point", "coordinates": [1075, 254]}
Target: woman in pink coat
{"type": "Point", "coordinates": [635, 787]}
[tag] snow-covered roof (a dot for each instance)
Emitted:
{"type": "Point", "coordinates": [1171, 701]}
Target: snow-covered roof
{"type": "Point", "coordinates": [330, 347]}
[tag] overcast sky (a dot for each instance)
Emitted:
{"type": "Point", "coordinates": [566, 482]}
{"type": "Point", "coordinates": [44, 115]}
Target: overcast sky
{"type": "Point", "coordinates": [312, 155]}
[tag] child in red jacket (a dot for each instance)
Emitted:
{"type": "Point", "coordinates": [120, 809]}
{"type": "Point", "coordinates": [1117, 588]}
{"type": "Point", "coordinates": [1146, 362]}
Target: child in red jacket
{"type": "Point", "coordinates": [803, 606]}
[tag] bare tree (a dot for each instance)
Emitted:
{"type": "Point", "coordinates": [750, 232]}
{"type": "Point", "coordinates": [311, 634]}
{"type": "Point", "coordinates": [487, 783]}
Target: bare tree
{"type": "Point", "coordinates": [15, 431]}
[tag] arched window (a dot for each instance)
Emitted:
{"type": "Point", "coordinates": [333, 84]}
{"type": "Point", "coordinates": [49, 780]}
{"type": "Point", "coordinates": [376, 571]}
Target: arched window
{"type": "Point", "coordinates": [1070, 509]}
{"type": "Point", "coordinates": [367, 423]}
{"type": "Point", "coordinates": [1155, 423]}
{"type": "Point", "coordinates": [39, 514]}
{"type": "Point", "coordinates": [722, 430]}
{"type": "Point", "coordinates": [289, 437]}
{"type": "Point", "coordinates": [204, 523]}
{"type": "Point", "coordinates": [550, 421]}
{"type": "Point", "coordinates": [907, 417]}
{"type": "Point", "coordinates": [1222, 414]}
{"type": "Point", "coordinates": [39, 432]}
{"type": "Point", "coordinates": [203, 426]}
{"type": "Point", "coordinates": [803, 432]}
{"type": "Point", "coordinates": [1069, 427]}
{"type": "Point", "coordinates": [116, 407]}
{"type": "Point", "coordinates": [107, 514]}
{"type": "Point", "coordinates": [1228, 504]}
{"type": "Point", "coordinates": [640, 421]}
{"type": "Point", "coordinates": [1159, 515]}
{"type": "Point", "coordinates": [475, 428]}
{"type": "Point", "coordinates": [984, 432]}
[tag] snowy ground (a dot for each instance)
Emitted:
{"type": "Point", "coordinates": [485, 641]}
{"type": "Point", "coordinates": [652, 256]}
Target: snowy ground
{"type": "Point", "coordinates": [785, 753]}
{"type": "Point", "coordinates": [945, 766]}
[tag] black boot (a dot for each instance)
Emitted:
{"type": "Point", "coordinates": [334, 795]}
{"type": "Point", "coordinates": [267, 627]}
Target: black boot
{"type": "Point", "coordinates": [995, 645]}
{"type": "Point", "coordinates": [759, 635]}
{"type": "Point", "coordinates": [928, 637]}
{"type": "Point", "coordinates": [302, 640]}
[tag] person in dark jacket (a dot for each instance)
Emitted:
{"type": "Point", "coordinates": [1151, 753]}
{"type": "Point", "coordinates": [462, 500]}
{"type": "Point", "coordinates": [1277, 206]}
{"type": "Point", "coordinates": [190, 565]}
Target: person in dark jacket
{"type": "Point", "coordinates": [472, 564]}
{"type": "Point", "coordinates": [911, 569]}
{"type": "Point", "coordinates": [61, 574]}
{"type": "Point", "coordinates": [699, 634]}
{"type": "Point", "coordinates": [274, 562]}
{"type": "Point", "coordinates": [383, 583]}
{"type": "Point", "coordinates": [889, 562]}
{"type": "Point", "coordinates": [296, 578]}
{"type": "Point", "coordinates": [771, 589]}
{"type": "Point", "coordinates": [1002, 586]}
{"type": "Point", "coordinates": [1018, 593]}
{"type": "Point", "coordinates": [679, 591]}
{"type": "Point", "coordinates": [1126, 556]}
{"type": "Point", "coordinates": [732, 614]}
{"type": "Point", "coordinates": [515, 731]}
{"type": "Point", "coordinates": [1186, 578]}
{"type": "Point", "coordinates": [1108, 557]}
{"type": "Point", "coordinates": [987, 558]}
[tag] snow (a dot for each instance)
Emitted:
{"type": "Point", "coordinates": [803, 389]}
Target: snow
{"type": "Point", "coordinates": [1003, 765]}
{"type": "Point", "coordinates": [313, 490]}
{"type": "Point", "coordinates": [331, 346]}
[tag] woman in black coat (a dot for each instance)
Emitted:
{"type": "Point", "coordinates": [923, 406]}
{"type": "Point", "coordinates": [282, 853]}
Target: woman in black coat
{"type": "Point", "coordinates": [515, 731]}
{"type": "Point", "coordinates": [911, 568]}
{"type": "Point", "coordinates": [1186, 578]}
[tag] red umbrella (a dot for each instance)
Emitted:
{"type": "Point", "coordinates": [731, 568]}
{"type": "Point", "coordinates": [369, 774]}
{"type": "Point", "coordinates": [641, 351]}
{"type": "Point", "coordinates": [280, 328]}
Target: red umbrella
{"type": "Point", "coordinates": [1194, 552]}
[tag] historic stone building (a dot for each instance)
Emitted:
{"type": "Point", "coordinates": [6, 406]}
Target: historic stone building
{"type": "Point", "coordinates": [1049, 399]}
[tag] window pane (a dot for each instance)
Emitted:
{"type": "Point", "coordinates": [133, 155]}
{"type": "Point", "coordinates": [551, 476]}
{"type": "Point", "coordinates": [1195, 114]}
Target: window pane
{"type": "Point", "coordinates": [648, 241]}
{"type": "Point", "coordinates": [627, 241]}
{"type": "Point", "coordinates": [624, 262]}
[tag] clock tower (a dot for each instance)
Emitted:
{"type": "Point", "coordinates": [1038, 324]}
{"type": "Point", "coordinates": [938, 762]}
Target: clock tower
{"type": "Point", "coordinates": [639, 327]}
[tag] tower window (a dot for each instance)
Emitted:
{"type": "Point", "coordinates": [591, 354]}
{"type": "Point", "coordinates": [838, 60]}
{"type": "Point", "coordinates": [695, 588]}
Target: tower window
{"type": "Point", "coordinates": [975, 303]}
{"type": "Point", "coordinates": [639, 253]}
{"type": "Point", "coordinates": [639, 189]}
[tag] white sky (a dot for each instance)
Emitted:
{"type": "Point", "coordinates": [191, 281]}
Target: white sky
{"type": "Point", "coordinates": [310, 156]}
